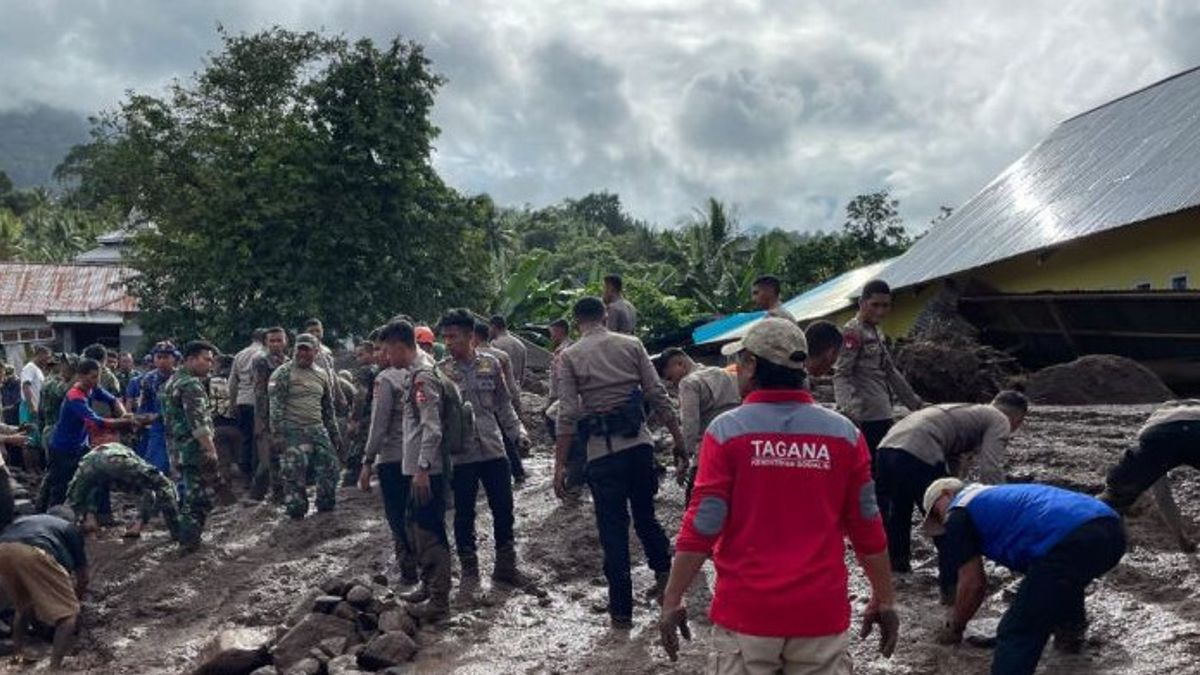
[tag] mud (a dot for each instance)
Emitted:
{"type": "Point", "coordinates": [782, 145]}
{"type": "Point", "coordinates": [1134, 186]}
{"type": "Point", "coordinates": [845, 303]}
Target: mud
{"type": "Point", "coordinates": [153, 611]}
{"type": "Point", "coordinates": [1097, 379]}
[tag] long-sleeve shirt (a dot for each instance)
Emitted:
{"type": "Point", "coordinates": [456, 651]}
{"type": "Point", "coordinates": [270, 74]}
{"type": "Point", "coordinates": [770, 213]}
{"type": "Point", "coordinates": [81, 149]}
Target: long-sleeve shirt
{"type": "Point", "coordinates": [385, 438]}
{"type": "Point", "coordinates": [704, 393]}
{"type": "Point", "coordinates": [510, 378]}
{"type": "Point", "coordinates": [517, 352]}
{"type": "Point", "coordinates": [556, 370]}
{"type": "Point", "coordinates": [422, 417]}
{"type": "Point", "coordinates": [479, 381]}
{"type": "Point", "coordinates": [77, 421]}
{"type": "Point", "coordinates": [953, 433]}
{"type": "Point", "coordinates": [241, 375]}
{"type": "Point", "coordinates": [865, 377]}
{"type": "Point", "coordinates": [782, 483]}
{"type": "Point", "coordinates": [599, 374]}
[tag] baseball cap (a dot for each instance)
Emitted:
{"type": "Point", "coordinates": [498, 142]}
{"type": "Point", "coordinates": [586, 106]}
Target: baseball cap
{"type": "Point", "coordinates": [778, 341]}
{"type": "Point", "coordinates": [932, 494]}
{"type": "Point", "coordinates": [307, 340]}
{"type": "Point", "coordinates": [424, 335]}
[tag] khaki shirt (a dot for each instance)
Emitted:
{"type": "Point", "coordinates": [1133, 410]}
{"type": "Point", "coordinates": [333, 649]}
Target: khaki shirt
{"type": "Point", "coordinates": [780, 313]}
{"type": "Point", "coordinates": [1186, 410]}
{"type": "Point", "coordinates": [622, 317]}
{"type": "Point", "coordinates": [599, 374]}
{"type": "Point", "coordinates": [385, 438]}
{"type": "Point", "coordinates": [241, 375]}
{"type": "Point", "coordinates": [517, 352]}
{"type": "Point", "coordinates": [865, 378]}
{"type": "Point", "coordinates": [951, 433]}
{"type": "Point", "coordinates": [555, 367]}
{"type": "Point", "coordinates": [510, 379]}
{"type": "Point", "coordinates": [481, 382]}
{"type": "Point", "coordinates": [422, 400]}
{"type": "Point", "coordinates": [704, 393]}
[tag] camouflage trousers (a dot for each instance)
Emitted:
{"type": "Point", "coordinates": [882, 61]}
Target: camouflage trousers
{"type": "Point", "coordinates": [355, 449]}
{"type": "Point", "coordinates": [199, 478]}
{"type": "Point", "coordinates": [305, 449]}
{"type": "Point", "coordinates": [127, 474]}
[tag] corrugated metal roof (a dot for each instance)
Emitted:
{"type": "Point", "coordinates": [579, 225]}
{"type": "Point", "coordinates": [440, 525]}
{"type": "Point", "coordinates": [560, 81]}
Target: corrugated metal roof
{"type": "Point", "coordinates": [1132, 159]}
{"type": "Point", "coordinates": [832, 296]}
{"type": "Point", "coordinates": [30, 289]}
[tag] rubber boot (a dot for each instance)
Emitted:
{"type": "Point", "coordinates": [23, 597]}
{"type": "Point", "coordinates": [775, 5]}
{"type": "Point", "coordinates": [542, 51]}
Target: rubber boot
{"type": "Point", "coordinates": [435, 570]}
{"type": "Point", "coordinates": [468, 579]}
{"type": "Point", "coordinates": [407, 563]}
{"type": "Point", "coordinates": [508, 573]}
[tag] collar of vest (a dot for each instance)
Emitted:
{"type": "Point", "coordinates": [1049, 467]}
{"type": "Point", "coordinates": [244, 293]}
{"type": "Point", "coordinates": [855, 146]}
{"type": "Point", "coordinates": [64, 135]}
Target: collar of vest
{"type": "Point", "coordinates": [779, 396]}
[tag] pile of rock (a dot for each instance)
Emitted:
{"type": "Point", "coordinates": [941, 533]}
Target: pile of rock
{"type": "Point", "coordinates": [352, 626]}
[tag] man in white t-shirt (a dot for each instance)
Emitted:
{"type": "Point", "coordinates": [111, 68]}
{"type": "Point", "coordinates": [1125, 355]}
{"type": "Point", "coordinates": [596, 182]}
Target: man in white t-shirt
{"type": "Point", "coordinates": [32, 378]}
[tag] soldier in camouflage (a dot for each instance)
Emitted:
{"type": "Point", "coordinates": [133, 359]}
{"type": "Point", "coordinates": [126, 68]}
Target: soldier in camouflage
{"type": "Point", "coordinates": [113, 465]}
{"type": "Point", "coordinates": [360, 410]}
{"type": "Point", "coordinates": [269, 452]}
{"type": "Point", "coordinates": [304, 421]}
{"type": "Point", "coordinates": [187, 416]}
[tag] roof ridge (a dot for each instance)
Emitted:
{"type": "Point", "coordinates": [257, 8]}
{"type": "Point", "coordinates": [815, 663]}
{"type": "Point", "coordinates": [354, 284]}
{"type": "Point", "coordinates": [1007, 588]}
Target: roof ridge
{"type": "Point", "coordinates": [1130, 94]}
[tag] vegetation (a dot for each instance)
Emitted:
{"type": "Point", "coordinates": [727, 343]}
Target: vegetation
{"type": "Point", "coordinates": [291, 177]}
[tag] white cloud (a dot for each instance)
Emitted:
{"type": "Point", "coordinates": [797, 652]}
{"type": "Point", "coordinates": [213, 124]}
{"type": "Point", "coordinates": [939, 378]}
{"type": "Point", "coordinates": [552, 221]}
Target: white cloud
{"type": "Point", "coordinates": [788, 109]}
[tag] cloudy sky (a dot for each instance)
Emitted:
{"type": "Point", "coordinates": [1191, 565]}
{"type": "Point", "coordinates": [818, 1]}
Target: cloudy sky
{"type": "Point", "coordinates": [784, 108]}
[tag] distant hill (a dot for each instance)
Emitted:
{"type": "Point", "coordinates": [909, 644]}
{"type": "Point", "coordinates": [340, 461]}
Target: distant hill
{"type": "Point", "coordinates": [34, 139]}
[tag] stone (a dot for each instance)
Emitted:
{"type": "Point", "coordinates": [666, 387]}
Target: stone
{"type": "Point", "coordinates": [367, 623]}
{"type": "Point", "coordinates": [325, 604]}
{"type": "Point", "coordinates": [380, 579]}
{"type": "Point", "coordinates": [359, 596]}
{"type": "Point", "coordinates": [336, 586]}
{"type": "Point", "coordinates": [398, 670]}
{"type": "Point", "coordinates": [342, 665]}
{"type": "Point", "coordinates": [334, 646]}
{"type": "Point", "coordinates": [305, 667]}
{"type": "Point", "coordinates": [302, 607]}
{"type": "Point", "coordinates": [311, 630]}
{"type": "Point", "coordinates": [24, 507]}
{"type": "Point", "coordinates": [265, 670]}
{"type": "Point", "coordinates": [318, 654]}
{"type": "Point", "coordinates": [345, 611]}
{"type": "Point", "coordinates": [397, 620]}
{"type": "Point", "coordinates": [239, 650]}
{"type": "Point", "coordinates": [386, 650]}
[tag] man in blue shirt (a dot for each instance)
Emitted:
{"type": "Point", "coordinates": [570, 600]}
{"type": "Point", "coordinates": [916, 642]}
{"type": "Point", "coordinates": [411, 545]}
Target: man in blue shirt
{"type": "Point", "coordinates": [76, 422]}
{"type": "Point", "coordinates": [1060, 540]}
{"type": "Point", "coordinates": [155, 449]}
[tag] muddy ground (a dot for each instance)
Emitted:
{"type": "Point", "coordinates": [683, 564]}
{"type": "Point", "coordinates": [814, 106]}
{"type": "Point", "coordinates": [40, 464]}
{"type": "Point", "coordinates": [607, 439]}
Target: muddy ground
{"type": "Point", "coordinates": [151, 610]}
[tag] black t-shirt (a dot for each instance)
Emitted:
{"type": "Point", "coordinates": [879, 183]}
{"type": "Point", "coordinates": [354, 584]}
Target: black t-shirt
{"type": "Point", "coordinates": [51, 534]}
{"type": "Point", "coordinates": [960, 543]}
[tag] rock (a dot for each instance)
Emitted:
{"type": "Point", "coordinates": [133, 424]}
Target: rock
{"type": "Point", "coordinates": [397, 620]}
{"type": "Point", "coordinates": [235, 652]}
{"type": "Point", "coordinates": [334, 646]}
{"type": "Point", "coordinates": [380, 579]}
{"type": "Point", "coordinates": [336, 586]}
{"type": "Point", "coordinates": [398, 670]}
{"type": "Point", "coordinates": [309, 632]}
{"type": "Point", "coordinates": [24, 507]}
{"type": "Point", "coordinates": [266, 670]}
{"type": "Point", "coordinates": [343, 665]}
{"type": "Point", "coordinates": [325, 604]}
{"type": "Point", "coordinates": [367, 623]}
{"type": "Point", "coordinates": [345, 611]}
{"type": "Point", "coordinates": [389, 649]}
{"type": "Point", "coordinates": [318, 654]}
{"type": "Point", "coordinates": [302, 608]}
{"type": "Point", "coordinates": [359, 596]}
{"type": "Point", "coordinates": [308, 666]}
{"type": "Point", "coordinates": [1097, 380]}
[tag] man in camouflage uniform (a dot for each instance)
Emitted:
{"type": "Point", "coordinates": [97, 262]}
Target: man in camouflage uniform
{"type": "Point", "coordinates": [115, 466]}
{"type": "Point", "coordinates": [324, 360]}
{"type": "Point", "coordinates": [188, 418]}
{"type": "Point", "coordinates": [360, 410]}
{"type": "Point", "coordinates": [269, 452]}
{"type": "Point", "coordinates": [304, 420]}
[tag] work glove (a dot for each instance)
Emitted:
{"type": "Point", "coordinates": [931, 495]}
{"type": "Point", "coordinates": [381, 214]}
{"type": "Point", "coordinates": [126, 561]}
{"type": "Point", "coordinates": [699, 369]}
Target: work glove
{"type": "Point", "coordinates": [889, 627]}
{"type": "Point", "coordinates": [671, 625]}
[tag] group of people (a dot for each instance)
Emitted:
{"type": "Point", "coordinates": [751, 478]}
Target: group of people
{"type": "Point", "coordinates": [775, 482]}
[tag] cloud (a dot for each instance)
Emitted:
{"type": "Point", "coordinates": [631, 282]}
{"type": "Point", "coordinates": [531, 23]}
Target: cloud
{"type": "Point", "coordinates": [785, 109]}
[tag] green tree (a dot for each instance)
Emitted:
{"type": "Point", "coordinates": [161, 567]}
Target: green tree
{"type": "Point", "coordinates": [291, 177]}
{"type": "Point", "coordinates": [874, 227]}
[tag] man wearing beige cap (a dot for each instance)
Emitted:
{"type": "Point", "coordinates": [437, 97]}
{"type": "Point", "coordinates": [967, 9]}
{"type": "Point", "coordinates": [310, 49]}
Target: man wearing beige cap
{"type": "Point", "coordinates": [1060, 540]}
{"type": "Point", "coordinates": [782, 483]}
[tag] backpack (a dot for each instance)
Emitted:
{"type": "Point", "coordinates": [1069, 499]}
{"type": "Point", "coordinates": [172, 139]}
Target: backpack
{"type": "Point", "coordinates": [458, 421]}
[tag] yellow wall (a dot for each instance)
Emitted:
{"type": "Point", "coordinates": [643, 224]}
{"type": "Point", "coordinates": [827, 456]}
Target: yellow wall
{"type": "Point", "coordinates": [1152, 252]}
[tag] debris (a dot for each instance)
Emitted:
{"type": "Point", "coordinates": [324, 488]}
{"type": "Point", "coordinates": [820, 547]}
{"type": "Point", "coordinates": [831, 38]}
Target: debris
{"type": "Point", "coordinates": [964, 371]}
{"type": "Point", "coordinates": [309, 632]}
{"type": "Point", "coordinates": [325, 604]}
{"type": "Point", "coordinates": [308, 666]}
{"type": "Point", "coordinates": [235, 651]}
{"type": "Point", "coordinates": [397, 619]}
{"type": "Point", "coordinates": [336, 586]}
{"type": "Point", "coordinates": [1095, 380]}
{"type": "Point", "coordinates": [359, 596]}
{"type": "Point", "coordinates": [388, 649]}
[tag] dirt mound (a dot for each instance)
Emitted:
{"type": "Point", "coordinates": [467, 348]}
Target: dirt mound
{"type": "Point", "coordinates": [1095, 380]}
{"type": "Point", "coordinates": [961, 372]}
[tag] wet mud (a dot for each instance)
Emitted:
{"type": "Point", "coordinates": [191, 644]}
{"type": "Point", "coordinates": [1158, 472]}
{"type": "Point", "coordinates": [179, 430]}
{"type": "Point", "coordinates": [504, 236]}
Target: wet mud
{"type": "Point", "coordinates": [153, 611]}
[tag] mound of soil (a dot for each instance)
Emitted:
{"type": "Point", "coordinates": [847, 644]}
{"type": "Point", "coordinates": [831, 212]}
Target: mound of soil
{"type": "Point", "coordinates": [949, 373]}
{"type": "Point", "coordinates": [1096, 380]}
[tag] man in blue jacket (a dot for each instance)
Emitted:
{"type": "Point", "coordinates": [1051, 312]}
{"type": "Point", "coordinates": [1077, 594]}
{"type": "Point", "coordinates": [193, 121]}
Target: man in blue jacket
{"type": "Point", "coordinates": [1060, 540]}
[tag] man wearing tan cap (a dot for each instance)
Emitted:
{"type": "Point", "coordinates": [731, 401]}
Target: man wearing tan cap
{"type": "Point", "coordinates": [782, 483]}
{"type": "Point", "coordinates": [1060, 540]}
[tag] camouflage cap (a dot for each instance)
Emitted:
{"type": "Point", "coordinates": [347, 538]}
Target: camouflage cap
{"type": "Point", "coordinates": [778, 341]}
{"type": "Point", "coordinates": [307, 340]}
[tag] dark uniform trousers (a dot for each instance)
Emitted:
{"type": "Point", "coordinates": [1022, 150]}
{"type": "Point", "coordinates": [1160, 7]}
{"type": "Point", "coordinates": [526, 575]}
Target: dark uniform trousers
{"type": "Point", "coordinates": [1160, 449]}
{"type": "Point", "coordinates": [900, 487]}
{"type": "Point", "coordinates": [396, 489]}
{"type": "Point", "coordinates": [494, 475]}
{"type": "Point", "coordinates": [873, 433]}
{"type": "Point", "coordinates": [248, 462]}
{"type": "Point", "coordinates": [624, 483]}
